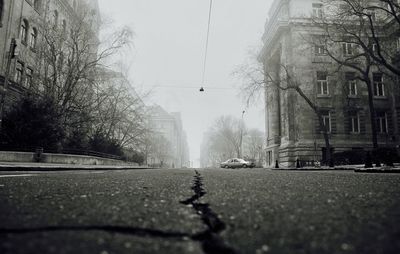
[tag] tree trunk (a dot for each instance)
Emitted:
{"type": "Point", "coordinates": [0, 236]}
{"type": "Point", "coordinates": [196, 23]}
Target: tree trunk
{"type": "Point", "coordinates": [373, 122]}
{"type": "Point", "coordinates": [329, 156]}
{"type": "Point", "coordinates": [372, 113]}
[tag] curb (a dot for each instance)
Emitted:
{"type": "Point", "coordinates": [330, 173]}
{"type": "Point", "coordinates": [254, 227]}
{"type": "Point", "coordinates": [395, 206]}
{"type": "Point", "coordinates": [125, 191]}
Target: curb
{"type": "Point", "coordinates": [386, 171]}
{"type": "Point", "coordinates": [312, 169]}
{"type": "Point", "coordinates": [66, 168]}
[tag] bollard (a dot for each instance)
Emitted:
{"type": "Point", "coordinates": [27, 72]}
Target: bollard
{"type": "Point", "coordinates": [38, 154]}
{"type": "Point", "coordinates": [276, 164]}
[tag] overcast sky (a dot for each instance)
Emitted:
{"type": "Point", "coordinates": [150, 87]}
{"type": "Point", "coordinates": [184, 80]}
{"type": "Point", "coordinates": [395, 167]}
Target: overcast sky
{"type": "Point", "coordinates": [168, 56]}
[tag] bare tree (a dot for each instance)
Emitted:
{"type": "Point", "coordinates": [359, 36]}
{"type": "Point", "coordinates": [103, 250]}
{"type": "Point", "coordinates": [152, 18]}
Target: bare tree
{"type": "Point", "coordinates": [158, 149]}
{"type": "Point", "coordinates": [372, 26]}
{"type": "Point", "coordinates": [68, 59]}
{"type": "Point", "coordinates": [360, 35]}
{"type": "Point", "coordinates": [118, 111]}
{"type": "Point", "coordinates": [223, 139]}
{"type": "Point", "coordinates": [253, 145]}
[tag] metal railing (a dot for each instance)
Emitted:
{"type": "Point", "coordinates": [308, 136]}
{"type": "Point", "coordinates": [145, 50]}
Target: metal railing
{"type": "Point", "coordinates": [62, 151]}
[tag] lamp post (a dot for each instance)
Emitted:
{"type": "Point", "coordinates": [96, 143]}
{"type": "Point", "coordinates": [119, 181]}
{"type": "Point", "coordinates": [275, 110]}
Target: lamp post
{"type": "Point", "coordinates": [241, 135]}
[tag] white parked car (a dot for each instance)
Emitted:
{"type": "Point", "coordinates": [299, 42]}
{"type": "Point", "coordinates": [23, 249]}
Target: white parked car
{"type": "Point", "coordinates": [237, 163]}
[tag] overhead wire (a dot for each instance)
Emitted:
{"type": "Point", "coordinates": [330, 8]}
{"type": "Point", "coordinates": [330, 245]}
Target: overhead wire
{"type": "Point", "coordinates": [207, 42]}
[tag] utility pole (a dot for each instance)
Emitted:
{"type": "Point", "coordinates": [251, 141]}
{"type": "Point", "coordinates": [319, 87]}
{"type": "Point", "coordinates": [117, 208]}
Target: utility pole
{"type": "Point", "coordinates": [10, 56]}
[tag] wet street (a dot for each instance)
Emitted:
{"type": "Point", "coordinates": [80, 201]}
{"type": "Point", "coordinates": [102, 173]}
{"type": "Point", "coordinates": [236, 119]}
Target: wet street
{"type": "Point", "coordinates": [202, 211]}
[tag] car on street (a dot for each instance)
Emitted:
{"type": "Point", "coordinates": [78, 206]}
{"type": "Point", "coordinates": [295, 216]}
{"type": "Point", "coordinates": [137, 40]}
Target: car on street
{"type": "Point", "coordinates": [237, 163]}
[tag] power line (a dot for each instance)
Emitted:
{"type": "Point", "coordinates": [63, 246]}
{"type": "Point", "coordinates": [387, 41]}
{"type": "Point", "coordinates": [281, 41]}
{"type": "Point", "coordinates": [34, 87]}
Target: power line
{"type": "Point", "coordinates": [193, 87]}
{"type": "Point", "coordinates": [207, 40]}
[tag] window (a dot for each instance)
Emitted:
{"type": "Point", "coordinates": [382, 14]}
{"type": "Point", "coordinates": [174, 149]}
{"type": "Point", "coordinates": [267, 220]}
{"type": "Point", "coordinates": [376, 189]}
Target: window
{"type": "Point", "coordinates": [269, 158]}
{"type": "Point", "coordinates": [347, 48]}
{"type": "Point", "coordinates": [379, 87]}
{"type": "Point", "coordinates": [24, 31]}
{"type": "Point", "coordinates": [1, 11]}
{"type": "Point", "coordinates": [28, 78]}
{"type": "Point", "coordinates": [381, 122]}
{"type": "Point", "coordinates": [354, 122]}
{"type": "Point", "coordinates": [374, 47]}
{"type": "Point", "coordinates": [64, 26]}
{"type": "Point", "coordinates": [33, 39]}
{"type": "Point", "coordinates": [36, 4]}
{"type": "Point", "coordinates": [326, 119]}
{"type": "Point", "coordinates": [320, 50]}
{"type": "Point", "coordinates": [19, 71]}
{"type": "Point", "coordinates": [55, 18]}
{"type": "Point", "coordinates": [351, 83]}
{"type": "Point", "coordinates": [317, 10]}
{"type": "Point", "coordinates": [322, 83]}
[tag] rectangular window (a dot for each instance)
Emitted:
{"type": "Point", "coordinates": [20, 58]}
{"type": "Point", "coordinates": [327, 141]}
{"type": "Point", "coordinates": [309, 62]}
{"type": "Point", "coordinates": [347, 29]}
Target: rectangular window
{"type": "Point", "coordinates": [269, 158]}
{"type": "Point", "coordinates": [326, 118]}
{"type": "Point", "coordinates": [322, 83]}
{"type": "Point", "coordinates": [379, 86]}
{"type": "Point", "coordinates": [28, 79]}
{"type": "Point", "coordinates": [347, 48]}
{"type": "Point", "coordinates": [317, 10]}
{"type": "Point", "coordinates": [381, 122]}
{"type": "Point", "coordinates": [320, 50]}
{"type": "Point", "coordinates": [354, 122]}
{"type": "Point", "coordinates": [19, 71]}
{"type": "Point", "coordinates": [33, 38]}
{"type": "Point", "coordinates": [351, 83]}
{"type": "Point", "coordinates": [374, 47]}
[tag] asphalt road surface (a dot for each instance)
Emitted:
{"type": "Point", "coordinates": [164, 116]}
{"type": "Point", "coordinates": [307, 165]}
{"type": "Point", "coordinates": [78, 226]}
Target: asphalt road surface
{"type": "Point", "coordinates": [203, 211]}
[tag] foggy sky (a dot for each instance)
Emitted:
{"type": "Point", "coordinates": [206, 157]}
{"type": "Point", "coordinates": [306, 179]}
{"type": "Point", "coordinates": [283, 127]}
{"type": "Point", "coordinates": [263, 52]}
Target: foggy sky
{"type": "Point", "coordinates": [168, 55]}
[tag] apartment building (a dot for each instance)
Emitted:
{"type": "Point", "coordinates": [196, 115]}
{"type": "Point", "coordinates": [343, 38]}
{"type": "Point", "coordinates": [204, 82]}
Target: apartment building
{"type": "Point", "coordinates": [22, 20]}
{"type": "Point", "coordinates": [169, 126]}
{"type": "Point", "coordinates": [292, 127]}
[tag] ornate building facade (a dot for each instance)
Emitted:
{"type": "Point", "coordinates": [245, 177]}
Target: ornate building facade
{"type": "Point", "coordinates": [291, 126]}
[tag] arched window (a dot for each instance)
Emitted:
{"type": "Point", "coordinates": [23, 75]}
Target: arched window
{"type": "Point", "coordinates": [33, 38]}
{"type": "Point", "coordinates": [24, 31]}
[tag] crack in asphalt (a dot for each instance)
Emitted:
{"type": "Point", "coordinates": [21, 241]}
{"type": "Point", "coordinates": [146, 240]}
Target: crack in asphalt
{"type": "Point", "coordinates": [211, 242]}
{"type": "Point", "coordinates": [209, 239]}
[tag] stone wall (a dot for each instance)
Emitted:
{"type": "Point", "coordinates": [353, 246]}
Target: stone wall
{"type": "Point", "coordinates": [28, 157]}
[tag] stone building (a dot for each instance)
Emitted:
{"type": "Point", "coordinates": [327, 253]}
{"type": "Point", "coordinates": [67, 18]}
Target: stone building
{"type": "Point", "coordinates": [169, 126]}
{"type": "Point", "coordinates": [21, 20]}
{"type": "Point", "coordinates": [291, 126]}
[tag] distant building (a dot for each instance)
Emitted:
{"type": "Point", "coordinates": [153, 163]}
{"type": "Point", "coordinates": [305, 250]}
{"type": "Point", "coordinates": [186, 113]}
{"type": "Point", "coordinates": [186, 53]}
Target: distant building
{"type": "Point", "coordinates": [291, 127]}
{"type": "Point", "coordinates": [169, 126]}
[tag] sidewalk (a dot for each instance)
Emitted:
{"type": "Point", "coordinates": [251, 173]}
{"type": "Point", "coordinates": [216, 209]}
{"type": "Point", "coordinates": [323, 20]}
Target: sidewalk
{"type": "Point", "coordinates": [13, 166]}
{"type": "Point", "coordinates": [355, 168]}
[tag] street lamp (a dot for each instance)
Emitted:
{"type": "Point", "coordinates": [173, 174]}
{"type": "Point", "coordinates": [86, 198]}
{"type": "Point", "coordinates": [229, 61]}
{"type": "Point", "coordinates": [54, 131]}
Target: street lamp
{"type": "Point", "coordinates": [241, 135]}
